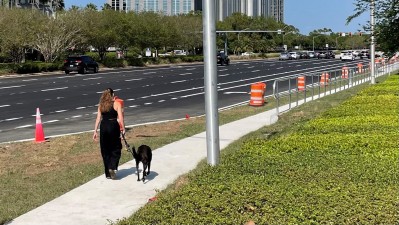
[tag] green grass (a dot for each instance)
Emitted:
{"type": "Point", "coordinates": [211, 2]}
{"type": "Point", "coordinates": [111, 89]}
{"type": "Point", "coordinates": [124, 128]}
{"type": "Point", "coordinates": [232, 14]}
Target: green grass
{"type": "Point", "coordinates": [325, 162]}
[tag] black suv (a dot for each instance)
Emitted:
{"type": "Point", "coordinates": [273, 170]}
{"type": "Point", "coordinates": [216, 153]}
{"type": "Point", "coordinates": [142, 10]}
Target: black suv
{"type": "Point", "coordinates": [364, 54]}
{"type": "Point", "coordinates": [81, 64]}
{"type": "Point", "coordinates": [223, 59]}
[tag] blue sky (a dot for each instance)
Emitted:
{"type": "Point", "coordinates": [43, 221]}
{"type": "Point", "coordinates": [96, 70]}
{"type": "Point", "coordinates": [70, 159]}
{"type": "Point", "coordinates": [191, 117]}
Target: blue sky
{"type": "Point", "coordinates": [306, 15]}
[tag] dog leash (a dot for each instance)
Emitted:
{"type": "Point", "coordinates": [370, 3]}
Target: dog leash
{"type": "Point", "coordinates": [126, 144]}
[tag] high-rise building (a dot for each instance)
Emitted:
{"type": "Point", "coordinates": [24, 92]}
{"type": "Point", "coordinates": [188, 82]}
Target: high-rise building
{"type": "Point", "coordinates": [265, 8]}
{"type": "Point", "coordinates": [167, 7]}
{"type": "Point", "coordinates": [224, 8]}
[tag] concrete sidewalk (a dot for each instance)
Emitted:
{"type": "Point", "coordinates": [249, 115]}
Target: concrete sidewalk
{"type": "Point", "coordinates": [102, 201]}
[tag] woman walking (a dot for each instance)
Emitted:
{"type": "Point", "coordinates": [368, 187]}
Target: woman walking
{"type": "Point", "coordinates": [111, 122]}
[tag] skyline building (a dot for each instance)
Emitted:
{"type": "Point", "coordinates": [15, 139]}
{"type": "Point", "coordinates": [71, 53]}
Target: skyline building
{"type": "Point", "coordinates": [167, 7]}
{"type": "Point", "coordinates": [224, 8]}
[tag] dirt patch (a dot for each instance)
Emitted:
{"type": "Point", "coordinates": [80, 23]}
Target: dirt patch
{"type": "Point", "coordinates": [30, 158]}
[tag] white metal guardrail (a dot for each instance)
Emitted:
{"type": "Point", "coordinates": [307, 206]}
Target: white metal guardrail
{"type": "Point", "coordinates": [317, 85]}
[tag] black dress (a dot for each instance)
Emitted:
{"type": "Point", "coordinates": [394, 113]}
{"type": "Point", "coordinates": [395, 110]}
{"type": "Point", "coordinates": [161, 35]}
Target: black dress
{"type": "Point", "coordinates": [110, 142]}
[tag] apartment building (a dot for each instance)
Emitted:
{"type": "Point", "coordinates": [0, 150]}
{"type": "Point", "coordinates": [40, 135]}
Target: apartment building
{"type": "Point", "coordinates": [47, 6]}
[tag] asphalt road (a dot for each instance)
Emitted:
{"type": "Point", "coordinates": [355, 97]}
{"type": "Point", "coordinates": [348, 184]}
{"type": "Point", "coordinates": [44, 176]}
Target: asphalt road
{"type": "Point", "coordinates": [68, 103]}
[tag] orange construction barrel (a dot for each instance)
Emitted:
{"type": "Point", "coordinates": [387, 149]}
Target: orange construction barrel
{"type": "Point", "coordinates": [359, 68]}
{"type": "Point", "coordinates": [257, 94]}
{"type": "Point", "coordinates": [301, 83]}
{"type": "Point", "coordinates": [324, 79]}
{"type": "Point", "coordinates": [345, 72]}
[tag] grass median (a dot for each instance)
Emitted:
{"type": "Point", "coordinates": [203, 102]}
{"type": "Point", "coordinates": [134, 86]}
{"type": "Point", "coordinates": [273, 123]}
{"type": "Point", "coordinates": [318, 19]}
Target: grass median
{"type": "Point", "coordinates": [37, 173]}
{"type": "Point", "coordinates": [330, 161]}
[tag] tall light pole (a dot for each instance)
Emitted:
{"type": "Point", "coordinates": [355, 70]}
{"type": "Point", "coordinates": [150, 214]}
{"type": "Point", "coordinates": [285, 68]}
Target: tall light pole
{"type": "Point", "coordinates": [210, 82]}
{"type": "Point", "coordinates": [372, 47]}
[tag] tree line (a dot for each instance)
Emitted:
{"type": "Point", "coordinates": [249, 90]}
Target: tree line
{"type": "Point", "coordinates": [80, 29]}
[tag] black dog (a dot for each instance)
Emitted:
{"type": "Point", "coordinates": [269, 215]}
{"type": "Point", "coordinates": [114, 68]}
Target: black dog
{"type": "Point", "coordinates": [144, 155]}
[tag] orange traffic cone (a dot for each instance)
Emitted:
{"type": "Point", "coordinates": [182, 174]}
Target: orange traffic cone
{"type": "Point", "coordinates": [39, 136]}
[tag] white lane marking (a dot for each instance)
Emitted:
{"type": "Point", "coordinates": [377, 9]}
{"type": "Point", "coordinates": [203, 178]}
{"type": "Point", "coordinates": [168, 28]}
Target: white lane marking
{"type": "Point", "coordinates": [7, 87]}
{"type": "Point", "coordinates": [134, 79]}
{"type": "Point", "coordinates": [1, 106]}
{"type": "Point", "coordinates": [30, 79]}
{"type": "Point", "coordinates": [279, 68]}
{"type": "Point", "coordinates": [11, 119]}
{"type": "Point", "coordinates": [161, 100]}
{"type": "Point", "coordinates": [149, 72]}
{"type": "Point", "coordinates": [92, 78]}
{"type": "Point", "coordinates": [195, 94]}
{"type": "Point", "coordinates": [183, 74]}
{"type": "Point", "coordinates": [54, 89]}
{"type": "Point", "coordinates": [130, 99]}
{"type": "Point", "coordinates": [191, 68]}
{"type": "Point", "coordinates": [224, 75]}
{"type": "Point", "coordinates": [178, 81]}
{"type": "Point", "coordinates": [235, 92]}
{"type": "Point", "coordinates": [51, 121]}
{"type": "Point", "coordinates": [24, 126]}
{"type": "Point", "coordinates": [77, 116]}
{"type": "Point", "coordinates": [83, 107]}
{"type": "Point", "coordinates": [254, 71]}
{"type": "Point", "coordinates": [148, 103]}
{"type": "Point", "coordinates": [100, 92]}
{"type": "Point", "coordinates": [250, 67]}
{"type": "Point", "coordinates": [221, 70]}
{"type": "Point", "coordinates": [133, 106]}
{"type": "Point", "coordinates": [63, 110]}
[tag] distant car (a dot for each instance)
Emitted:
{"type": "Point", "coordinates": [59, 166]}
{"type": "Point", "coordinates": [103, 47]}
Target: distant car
{"type": "Point", "coordinates": [284, 56]}
{"type": "Point", "coordinates": [81, 64]}
{"type": "Point", "coordinates": [311, 54]}
{"type": "Point", "coordinates": [223, 59]}
{"type": "Point", "coordinates": [247, 54]}
{"type": "Point", "coordinates": [322, 55]}
{"type": "Point", "coordinates": [304, 55]}
{"type": "Point", "coordinates": [326, 55]}
{"type": "Point", "coordinates": [347, 56]}
{"type": "Point", "coordinates": [356, 53]}
{"type": "Point", "coordinates": [364, 54]}
{"type": "Point", "coordinates": [180, 52]}
{"type": "Point", "coordinates": [294, 55]}
{"type": "Point", "coordinates": [331, 54]}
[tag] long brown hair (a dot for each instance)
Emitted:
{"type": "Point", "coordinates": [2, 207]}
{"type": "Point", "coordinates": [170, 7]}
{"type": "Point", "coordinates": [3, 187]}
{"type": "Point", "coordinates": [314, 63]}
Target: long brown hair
{"type": "Point", "coordinates": [106, 100]}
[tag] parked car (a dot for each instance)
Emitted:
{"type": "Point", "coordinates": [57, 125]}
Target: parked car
{"type": "Point", "coordinates": [223, 59]}
{"type": "Point", "coordinates": [179, 52]}
{"type": "Point", "coordinates": [284, 56]}
{"type": "Point", "coordinates": [347, 56]}
{"type": "Point", "coordinates": [81, 64]}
